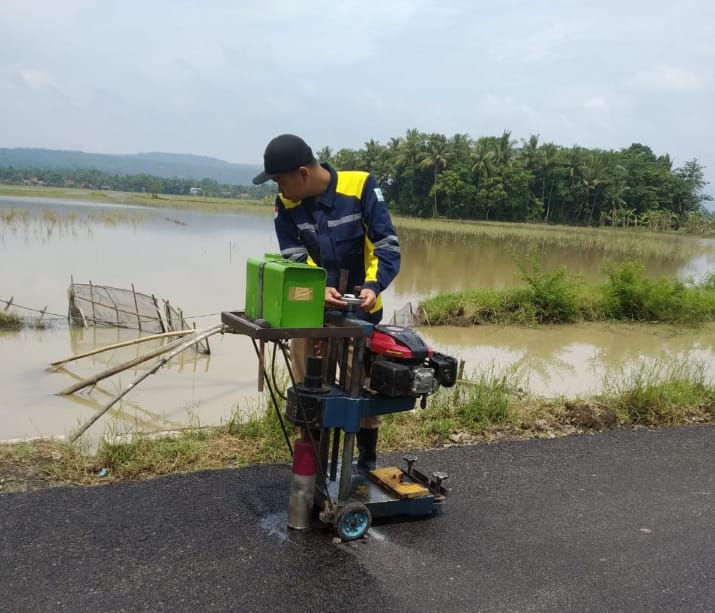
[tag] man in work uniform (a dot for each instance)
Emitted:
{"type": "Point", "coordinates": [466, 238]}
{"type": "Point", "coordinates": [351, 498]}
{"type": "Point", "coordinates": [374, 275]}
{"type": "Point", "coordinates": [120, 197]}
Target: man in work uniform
{"type": "Point", "coordinates": [337, 220]}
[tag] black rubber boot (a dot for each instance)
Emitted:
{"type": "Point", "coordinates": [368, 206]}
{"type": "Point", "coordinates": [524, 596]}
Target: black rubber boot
{"type": "Point", "coordinates": [367, 448]}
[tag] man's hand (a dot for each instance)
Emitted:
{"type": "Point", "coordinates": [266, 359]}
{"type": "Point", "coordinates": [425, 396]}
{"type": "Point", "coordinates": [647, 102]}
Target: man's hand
{"type": "Point", "coordinates": [368, 298]}
{"type": "Point", "coordinates": [332, 299]}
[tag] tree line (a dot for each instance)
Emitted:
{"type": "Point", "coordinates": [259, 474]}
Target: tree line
{"type": "Point", "coordinates": [491, 178]}
{"type": "Point", "coordinates": [157, 164]}
{"type": "Point", "coordinates": [95, 179]}
{"type": "Point", "coordinates": [499, 178]}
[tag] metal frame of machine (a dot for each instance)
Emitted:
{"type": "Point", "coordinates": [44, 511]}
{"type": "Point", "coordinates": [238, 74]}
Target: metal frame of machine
{"type": "Point", "coordinates": [329, 414]}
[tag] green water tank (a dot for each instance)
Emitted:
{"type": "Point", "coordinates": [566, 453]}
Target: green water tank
{"type": "Point", "coordinates": [284, 293]}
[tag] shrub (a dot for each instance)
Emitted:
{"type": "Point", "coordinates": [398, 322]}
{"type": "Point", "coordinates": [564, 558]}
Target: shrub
{"type": "Point", "coordinates": [630, 295]}
{"type": "Point", "coordinates": [554, 294]}
{"type": "Point", "coordinates": [8, 321]}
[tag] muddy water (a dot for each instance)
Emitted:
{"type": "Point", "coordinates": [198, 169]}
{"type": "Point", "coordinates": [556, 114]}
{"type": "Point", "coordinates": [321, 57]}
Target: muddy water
{"type": "Point", "coordinates": [578, 359]}
{"type": "Point", "coordinates": [197, 260]}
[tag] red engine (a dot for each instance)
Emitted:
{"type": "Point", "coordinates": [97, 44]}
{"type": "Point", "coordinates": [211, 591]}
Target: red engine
{"type": "Point", "coordinates": [400, 363]}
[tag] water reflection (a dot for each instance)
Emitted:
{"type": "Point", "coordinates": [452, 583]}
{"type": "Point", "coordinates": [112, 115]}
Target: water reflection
{"type": "Point", "coordinates": [576, 359]}
{"type": "Point", "coordinates": [197, 260]}
{"type": "Point", "coordinates": [439, 263]}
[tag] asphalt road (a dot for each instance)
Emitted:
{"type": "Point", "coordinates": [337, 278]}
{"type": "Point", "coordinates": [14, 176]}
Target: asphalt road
{"type": "Point", "coordinates": [621, 521]}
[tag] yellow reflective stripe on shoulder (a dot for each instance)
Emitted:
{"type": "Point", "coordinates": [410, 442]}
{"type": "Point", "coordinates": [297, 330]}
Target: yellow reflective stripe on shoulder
{"type": "Point", "coordinates": [351, 182]}
{"type": "Point", "coordinates": [288, 204]}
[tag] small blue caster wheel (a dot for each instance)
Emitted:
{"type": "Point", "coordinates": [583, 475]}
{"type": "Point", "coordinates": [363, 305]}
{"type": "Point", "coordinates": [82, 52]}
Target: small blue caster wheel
{"type": "Point", "coordinates": [353, 521]}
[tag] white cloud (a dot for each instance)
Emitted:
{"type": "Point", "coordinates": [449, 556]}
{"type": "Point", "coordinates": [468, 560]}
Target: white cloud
{"type": "Point", "coordinates": [221, 77]}
{"type": "Point", "coordinates": [669, 79]}
{"type": "Point", "coordinates": [598, 104]}
{"type": "Point", "coordinates": [35, 78]}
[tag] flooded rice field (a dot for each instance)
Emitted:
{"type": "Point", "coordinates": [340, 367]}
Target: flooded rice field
{"type": "Point", "coordinates": [196, 259]}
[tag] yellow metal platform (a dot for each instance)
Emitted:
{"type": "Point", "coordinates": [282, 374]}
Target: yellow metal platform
{"type": "Point", "coordinates": [396, 481]}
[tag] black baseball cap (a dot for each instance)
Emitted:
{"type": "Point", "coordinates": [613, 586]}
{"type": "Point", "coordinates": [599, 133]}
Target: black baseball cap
{"type": "Point", "coordinates": [285, 153]}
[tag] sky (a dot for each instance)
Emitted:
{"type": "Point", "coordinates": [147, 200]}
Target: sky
{"type": "Point", "coordinates": [222, 77]}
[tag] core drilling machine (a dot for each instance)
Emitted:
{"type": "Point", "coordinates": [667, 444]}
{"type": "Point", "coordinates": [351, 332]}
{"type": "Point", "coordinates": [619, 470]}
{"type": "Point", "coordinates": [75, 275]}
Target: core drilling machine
{"type": "Point", "coordinates": [363, 370]}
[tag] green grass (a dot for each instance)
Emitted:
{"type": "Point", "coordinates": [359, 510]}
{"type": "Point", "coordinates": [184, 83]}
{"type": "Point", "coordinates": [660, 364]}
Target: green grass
{"type": "Point", "coordinates": [10, 321]}
{"type": "Point", "coordinates": [660, 393]}
{"type": "Point", "coordinates": [204, 203]}
{"type": "Point", "coordinates": [557, 297]}
{"type": "Point", "coordinates": [636, 243]}
{"type": "Point", "coordinates": [487, 407]}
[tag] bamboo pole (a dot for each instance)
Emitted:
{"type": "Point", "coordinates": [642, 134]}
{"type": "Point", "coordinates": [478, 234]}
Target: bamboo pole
{"type": "Point", "coordinates": [120, 367]}
{"type": "Point", "coordinates": [116, 308]}
{"type": "Point", "coordinates": [91, 299]}
{"type": "Point", "coordinates": [84, 319]}
{"type": "Point", "coordinates": [169, 315]}
{"type": "Point", "coordinates": [208, 347]}
{"type": "Point", "coordinates": [122, 344]}
{"type": "Point", "coordinates": [159, 315]}
{"type": "Point", "coordinates": [148, 418]}
{"type": "Point", "coordinates": [136, 306]}
{"type": "Point", "coordinates": [163, 360]}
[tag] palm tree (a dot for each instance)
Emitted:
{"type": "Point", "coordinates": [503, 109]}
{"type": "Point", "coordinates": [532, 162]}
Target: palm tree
{"type": "Point", "coordinates": [482, 160]}
{"type": "Point", "coordinates": [574, 161]}
{"type": "Point", "coordinates": [410, 149]}
{"type": "Point", "coordinates": [530, 153]}
{"type": "Point", "coordinates": [549, 155]}
{"type": "Point", "coordinates": [325, 155]}
{"type": "Point", "coordinates": [369, 157]}
{"type": "Point", "coordinates": [592, 178]}
{"type": "Point", "coordinates": [436, 157]}
{"type": "Point", "coordinates": [504, 148]}
{"type": "Point", "coordinates": [393, 180]}
{"type": "Point", "coordinates": [461, 146]}
{"type": "Point", "coordinates": [346, 159]}
{"type": "Point", "coordinates": [615, 196]}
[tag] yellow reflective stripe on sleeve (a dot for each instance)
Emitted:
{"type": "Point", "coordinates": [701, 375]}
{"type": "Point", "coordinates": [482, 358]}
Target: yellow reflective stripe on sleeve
{"type": "Point", "coordinates": [371, 263]}
{"type": "Point", "coordinates": [351, 183]}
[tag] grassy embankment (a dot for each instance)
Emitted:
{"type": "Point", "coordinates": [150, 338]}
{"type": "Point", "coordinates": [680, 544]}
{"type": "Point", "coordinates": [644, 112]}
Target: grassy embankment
{"type": "Point", "coordinates": [142, 199]}
{"type": "Point", "coordinates": [555, 297]}
{"type": "Point", "coordinates": [484, 409]}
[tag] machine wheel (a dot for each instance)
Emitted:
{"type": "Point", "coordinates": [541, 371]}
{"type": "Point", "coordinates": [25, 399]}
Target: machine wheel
{"type": "Point", "coordinates": [353, 521]}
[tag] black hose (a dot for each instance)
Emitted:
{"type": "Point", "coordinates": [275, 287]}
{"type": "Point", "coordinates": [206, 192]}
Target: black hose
{"type": "Point", "coordinates": [273, 399]}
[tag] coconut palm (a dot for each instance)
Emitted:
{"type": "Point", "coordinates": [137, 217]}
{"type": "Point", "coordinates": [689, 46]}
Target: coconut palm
{"type": "Point", "coordinates": [482, 160]}
{"type": "Point", "coordinates": [531, 153]}
{"type": "Point", "coordinates": [548, 160]}
{"type": "Point", "coordinates": [593, 180]}
{"type": "Point", "coordinates": [504, 148]}
{"type": "Point", "coordinates": [461, 146]}
{"type": "Point", "coordinates": [369, 158]}
{"type": "Point", "coordinates": [346, 159]}
{"type": "Point", "coordinates": [436, 157]}
{"type": "Point", "coordinates": [325, 155]}
{"type": "Point", "coordinates": [410, 149]}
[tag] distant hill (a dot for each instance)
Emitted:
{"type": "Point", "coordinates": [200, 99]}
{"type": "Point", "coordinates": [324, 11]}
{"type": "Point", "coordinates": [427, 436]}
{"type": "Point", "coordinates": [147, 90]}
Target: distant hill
{"type": "Point", "coordinates": [168, 165]}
